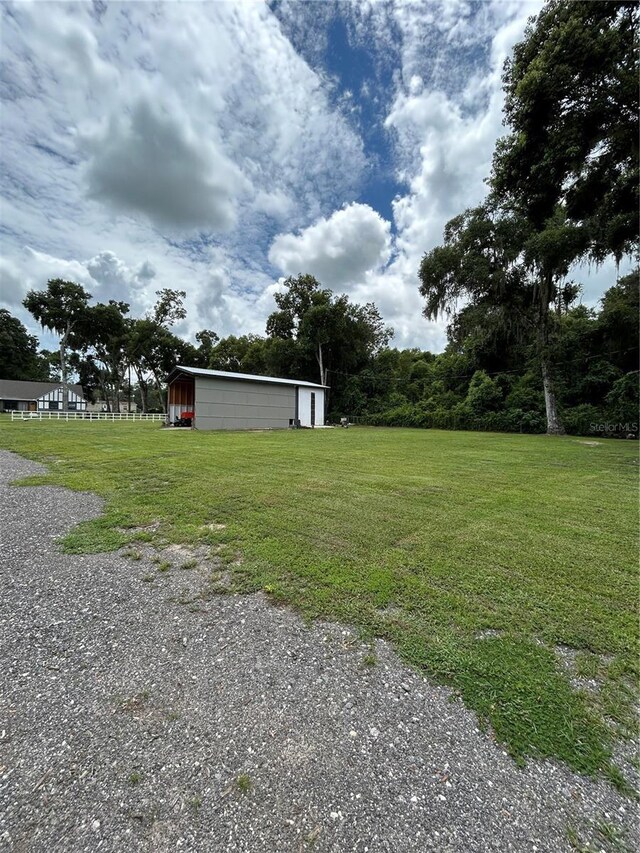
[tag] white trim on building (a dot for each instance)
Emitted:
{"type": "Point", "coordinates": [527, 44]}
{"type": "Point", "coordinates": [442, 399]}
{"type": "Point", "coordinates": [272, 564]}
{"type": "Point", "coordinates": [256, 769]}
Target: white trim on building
{"type": "Point", "coordinates": [53, 401]}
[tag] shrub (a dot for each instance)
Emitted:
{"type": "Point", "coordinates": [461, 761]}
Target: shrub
{"type": "Point", "coordinates": [483, 394]}
{"type": "Point", "coordinates": [579, 420]}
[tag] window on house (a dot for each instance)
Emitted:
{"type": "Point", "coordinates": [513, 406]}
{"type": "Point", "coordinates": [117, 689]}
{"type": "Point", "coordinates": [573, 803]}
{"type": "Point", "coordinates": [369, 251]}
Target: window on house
{"type": "Point", "coordinates": [72, 406]}
{"type": "Point", "coordinates": [54, 404]}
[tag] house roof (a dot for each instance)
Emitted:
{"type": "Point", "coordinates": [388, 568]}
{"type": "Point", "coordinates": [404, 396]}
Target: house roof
{"type": "Point", "coordinates": [16, 389]}
{"type": "Point", "coordinates": [247, 377]}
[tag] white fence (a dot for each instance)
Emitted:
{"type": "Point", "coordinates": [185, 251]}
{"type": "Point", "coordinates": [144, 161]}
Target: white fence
{"type": "Point", "coordinates": [87, 416]}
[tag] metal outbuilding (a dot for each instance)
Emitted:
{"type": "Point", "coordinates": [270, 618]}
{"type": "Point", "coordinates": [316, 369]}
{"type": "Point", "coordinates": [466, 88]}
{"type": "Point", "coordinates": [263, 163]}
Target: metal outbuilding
{"type": "Point", "coordinates": [221, 400]}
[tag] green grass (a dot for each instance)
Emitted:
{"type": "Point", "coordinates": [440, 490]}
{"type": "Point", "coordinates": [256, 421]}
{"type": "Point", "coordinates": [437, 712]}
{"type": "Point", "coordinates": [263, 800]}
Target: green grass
{"type": "Point", "coordinates": [475, 554]}
{"type": "Point", "coordinates": [244, 783]}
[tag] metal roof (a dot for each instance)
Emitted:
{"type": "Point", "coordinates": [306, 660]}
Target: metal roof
{"type": "Point", "coordinates": [247, 377]}
{"type": "Point", "coordinates": [17, 389]}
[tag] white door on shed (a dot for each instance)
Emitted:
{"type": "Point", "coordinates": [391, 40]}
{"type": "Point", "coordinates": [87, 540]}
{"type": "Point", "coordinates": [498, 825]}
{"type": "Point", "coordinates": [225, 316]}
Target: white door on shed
{"type": "Point", "coordinates": [311, 406]}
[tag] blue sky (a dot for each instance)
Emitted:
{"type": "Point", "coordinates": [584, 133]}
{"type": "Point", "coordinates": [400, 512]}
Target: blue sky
{"type": "Point", "coordinates": [219, 147]}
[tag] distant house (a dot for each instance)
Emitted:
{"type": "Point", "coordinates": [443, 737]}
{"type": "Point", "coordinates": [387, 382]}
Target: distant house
{"type": "Point", "coordinates": [215, 399]}
{"type": "Point", "coordinates": [103, 406]}
{"type": "Point", "coordinates": [19, 396]}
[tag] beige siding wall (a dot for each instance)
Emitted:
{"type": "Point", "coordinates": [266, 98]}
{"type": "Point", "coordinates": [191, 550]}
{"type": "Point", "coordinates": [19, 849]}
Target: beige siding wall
{"type": "Point", "coordinates": [237, 404]}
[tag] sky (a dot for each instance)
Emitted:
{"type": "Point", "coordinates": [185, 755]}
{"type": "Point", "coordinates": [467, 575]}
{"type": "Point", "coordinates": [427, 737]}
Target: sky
{"type": "Point", "coordinates": [219, 147]}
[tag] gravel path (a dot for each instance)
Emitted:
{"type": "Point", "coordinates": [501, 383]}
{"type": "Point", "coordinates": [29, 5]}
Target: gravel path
{"type": "Point", "coordinates": [135, 718]}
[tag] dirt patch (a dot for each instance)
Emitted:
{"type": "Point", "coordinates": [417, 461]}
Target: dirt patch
{"type": "Point", "coordinates": [143, 528]}
{"type": "Point", "coordinates": [569, 661]}
{"type": "Point", "coordinates": [488, 633]}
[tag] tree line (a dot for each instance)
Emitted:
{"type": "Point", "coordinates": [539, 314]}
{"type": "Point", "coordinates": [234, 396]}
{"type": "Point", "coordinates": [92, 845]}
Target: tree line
{"type": "Point", "coordinates": [486, 378]}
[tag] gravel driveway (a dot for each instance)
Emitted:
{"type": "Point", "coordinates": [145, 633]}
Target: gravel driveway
{"type": "Point", "coordinates": [135, 716]}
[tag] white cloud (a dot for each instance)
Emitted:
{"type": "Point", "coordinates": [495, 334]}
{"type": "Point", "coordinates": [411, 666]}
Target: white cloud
{"type": "Point", "coordinates": [445, 117]}
{"type": "Point", "coordinates": [118, 281]}
{"type": "Point", "coordinates": [446, 142]}
{"type": "Point", "coordinates": [349, 251]}
{"type": "Point", "coordinates": [28, 269]}
{"type": "Point", "coordinates": [151, 161]}
{"type": "Point", "coordinates": [190, 119]}
{"type": "Point", "coordinates": [338, 250]}
{"type": "Point", "coordinates": [395, 292]}
{"type": "Point", "coordinates": [12, 285]}
{"type": "Point", "coordinates": [220, 295]}
{"type": "Point", "coordinates": [145, 272]}
{"type": "Point", "coordinates": [454, 158]}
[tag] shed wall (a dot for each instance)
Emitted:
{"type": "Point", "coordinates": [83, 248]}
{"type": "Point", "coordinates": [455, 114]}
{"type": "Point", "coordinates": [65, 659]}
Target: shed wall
{"type": "Point", "coordinates": [237, 404]}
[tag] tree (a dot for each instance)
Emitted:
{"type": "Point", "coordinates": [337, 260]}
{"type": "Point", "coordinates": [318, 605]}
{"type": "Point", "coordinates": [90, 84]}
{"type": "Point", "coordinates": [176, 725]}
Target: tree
{"type": "Point", "coordinates": [207, 339]}
{"type": "Point", "coordinates": [140, 337]}
{"type": "Point", "coordinates": [229, 353]}
{"type": "Point", "coordinates": [572, 106]}
{"type": "Point", "coordinates": [483, 394]}
{"type": "Point", "coordinates": [618, 322]}
{"type": "Point", "coordinates": [51, 364]}
{"type": "Point", "coordinates": [564, 182]}
{"type": "Point", "coordinates": [478, 331]}
{"type": "Point", "coordinates": [300, 294]}
{"type": "Point", "coordinates": [548, 253]}
{"type": "Point", "coordinates": [61, 308]}
{"type": "Point", "coordinates": [103, 339]}
{"type": "Point", "coordinates": [305, 315]}
{"type": "Point", "coordinates": [337, 334]}
{"type": "Point", "coordinates": [623, 402]}
{"type": "Point", "coordinates": [482, 261]}
{"type": "Point", "coordinates": [169, 308]}
{"type": "Point", "coordinates": [19, 357]}
{"type": "Point", "coordinates": [152, 350]}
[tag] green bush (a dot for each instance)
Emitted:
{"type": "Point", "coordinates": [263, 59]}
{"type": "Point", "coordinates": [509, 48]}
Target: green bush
{"type": "Point", "coordinates": [580, 420]}
{"type": "Point", "coordinates": [623, 401]}
{"type": "Point", "coordinates": [483, 394]}
{"type": "Point", "coordinates": [460, 417]}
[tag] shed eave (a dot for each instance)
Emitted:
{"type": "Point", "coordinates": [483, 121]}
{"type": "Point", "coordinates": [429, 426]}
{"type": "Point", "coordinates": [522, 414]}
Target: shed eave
{"type": "Point", "coordinates": [203, 373]}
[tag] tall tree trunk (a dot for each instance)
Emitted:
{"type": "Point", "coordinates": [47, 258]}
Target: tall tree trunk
{"type": "Point", "coordinates": [320, 360]}
{"type": "Point", "coordinates": [142, 385]}
{"type": "Point", "coordinates": [163, 395]}
{"type": "Point", "coordinates": [63, 371]}
{"type": "Point", "coordinates": [554, 424]}
{"type": "Point", "coordinates": [116, 392]}
{"type": "Point", "coordinates": [104, 390]}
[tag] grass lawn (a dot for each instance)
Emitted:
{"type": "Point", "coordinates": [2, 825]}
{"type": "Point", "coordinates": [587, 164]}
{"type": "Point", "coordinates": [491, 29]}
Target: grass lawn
{"type": "Point", "coordinates": [475, 554]}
